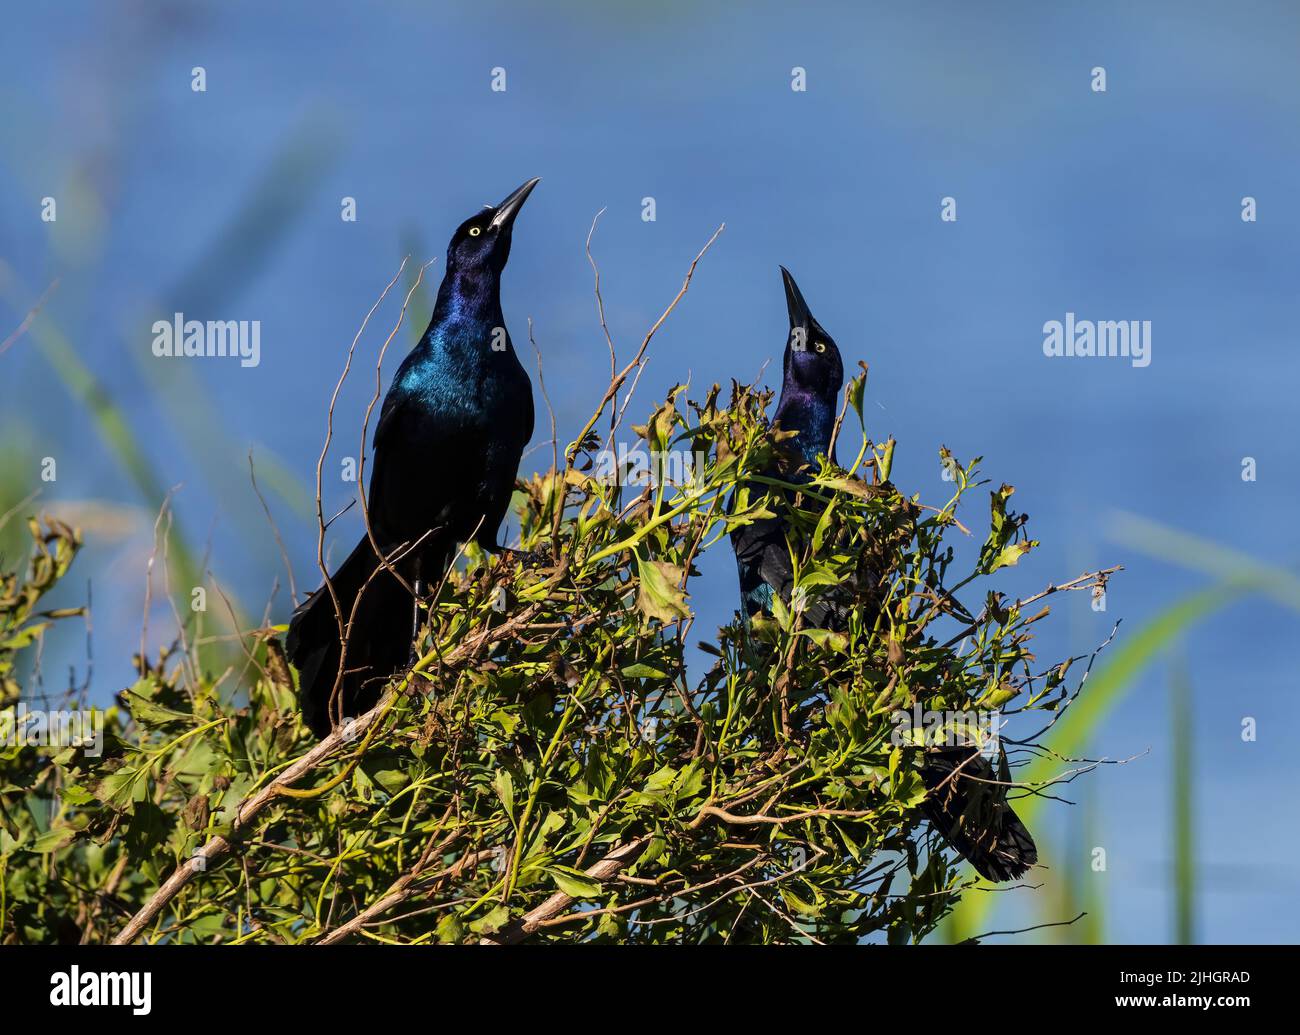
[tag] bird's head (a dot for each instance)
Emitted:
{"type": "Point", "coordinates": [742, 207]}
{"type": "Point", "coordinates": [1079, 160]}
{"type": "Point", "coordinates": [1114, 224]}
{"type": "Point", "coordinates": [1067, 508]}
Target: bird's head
{"type": "Point", "coordinates": [483, 240]}
{"type": "Point", "coordinates": [812, 360]}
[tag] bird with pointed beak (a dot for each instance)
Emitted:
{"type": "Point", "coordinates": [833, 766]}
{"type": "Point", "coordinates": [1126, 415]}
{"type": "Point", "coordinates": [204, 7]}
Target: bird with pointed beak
{"type": "Point", "coordinates": [967, 801]}
{"type": "Point", "coordinates": [447, 447]}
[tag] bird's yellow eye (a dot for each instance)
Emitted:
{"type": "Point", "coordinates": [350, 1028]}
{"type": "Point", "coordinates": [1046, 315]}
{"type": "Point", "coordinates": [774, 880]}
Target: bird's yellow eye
{"type": "Point", "coordinates": [820, 346]}
{"type": "Point", "coordinates": [474, 231]}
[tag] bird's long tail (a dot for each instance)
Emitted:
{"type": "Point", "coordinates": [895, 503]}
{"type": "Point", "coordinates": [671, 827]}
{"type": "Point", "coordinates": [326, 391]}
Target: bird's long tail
{"type": "Point", "coordinates": [968, 805]}
{"type": "Point", "coordinates": [378, 645]}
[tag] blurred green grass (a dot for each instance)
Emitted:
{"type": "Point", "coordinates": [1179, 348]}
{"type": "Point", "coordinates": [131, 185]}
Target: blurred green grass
{"type": "Point", "coordinates": [65, 333]}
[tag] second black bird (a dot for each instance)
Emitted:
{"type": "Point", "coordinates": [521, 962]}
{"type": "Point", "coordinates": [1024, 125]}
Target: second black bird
{"type": "Point", "coordinates": [967, 799]}
{"type": "Point", "coordinates": [446, 453]}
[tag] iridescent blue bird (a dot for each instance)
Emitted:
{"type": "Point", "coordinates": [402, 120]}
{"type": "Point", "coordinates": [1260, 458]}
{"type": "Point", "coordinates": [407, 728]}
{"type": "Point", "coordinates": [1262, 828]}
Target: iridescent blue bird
{"type": "Point", "coordinates": [967, 801]}
{"type": "Point", "coordinates": [446, 453]}
{"type": "Point", "coordinates": [813, 374]}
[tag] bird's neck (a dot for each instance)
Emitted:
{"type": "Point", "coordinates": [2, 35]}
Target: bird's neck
{"type": "Point", "coordinates": [469, 296]}
{"type": "Point", "coordinates": [810, 415]}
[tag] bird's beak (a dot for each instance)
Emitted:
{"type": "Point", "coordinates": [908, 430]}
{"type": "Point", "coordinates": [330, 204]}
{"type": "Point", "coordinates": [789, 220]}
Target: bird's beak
{"type": "Point", "coordinates": [799, 314]}
{"type": "Point", "coordinates": [514, 201]}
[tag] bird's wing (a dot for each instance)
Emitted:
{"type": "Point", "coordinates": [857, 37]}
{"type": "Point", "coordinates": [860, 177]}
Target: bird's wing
{"type": "Point", "coordinates": [420, 460]}
{"type": "Point", "coordinates": [763, 563]}
{"type": "Point", "coordinates": [968, 804]}
{"type": "Point", "coordinates": [765, 568]}
{"type": "Point", "coordinates": [394, 401]}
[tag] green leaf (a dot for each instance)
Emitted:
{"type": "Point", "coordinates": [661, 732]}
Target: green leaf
{"type": "Point", "coordinates": [852, 486]}
{"type": "Point", "coordinates": [53, 839]}
{"type": "Point", "coordinates": [824, 637]}
{"type": "Point", "coordinates": [1011, 554]}
{"type": "Point", "coordinates": [659, 596]}
{"type": "Point", "coordinates": [117, 789]}
{"type": "Point", "coordinates": [492, 922]}
{"type": "Point", "coordinates": [574, 883]}
{"type": "Point", "coordinates": [74, 794]}
{"type": "Point", "coordinates": [505, 788]}
{"type": "Point", "coordinates": [690, 782]}
{"type": "Point", "coordinates": [823, 524]}
{"type": "Point", "coordinates": [450, 930]}
{"type": "Point", "coordinates": [857, 390]}
{"type": "Point", "coordinates": [643, 671]}
{"type": "Point", "coordinates": [152, 714]}
{"type": "Point", "coordinates": [797, 904]}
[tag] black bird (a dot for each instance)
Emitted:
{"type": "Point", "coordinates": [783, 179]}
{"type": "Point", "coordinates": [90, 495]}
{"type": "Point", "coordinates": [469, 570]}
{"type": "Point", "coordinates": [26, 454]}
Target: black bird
{"type": "Point", "coordinates": [813, 376]}
{"type": "Point", "coordinates": [447, 447]}
{"type": "Point", "coordinates": [967, 801]}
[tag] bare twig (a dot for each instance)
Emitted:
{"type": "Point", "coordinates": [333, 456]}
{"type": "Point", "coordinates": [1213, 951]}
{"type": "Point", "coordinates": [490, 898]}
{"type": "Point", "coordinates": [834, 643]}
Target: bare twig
{"type": "Point", "coordinates": [22, 328]}
{"type": "Point", "coordinates": [541, 383]}
{"type": "Point", "coordinates": [275, 531]}
{"type": "Point", "coordinates": [148, 573]}
{"type": "Point", "coordinates": [616, 382]}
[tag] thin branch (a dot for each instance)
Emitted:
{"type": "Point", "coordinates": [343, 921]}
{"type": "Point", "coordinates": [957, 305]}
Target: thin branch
{"type": "Point", "coordinates": [23, 327]}
{"type": "Point", "coordinates": [617, 381]}
{"type": "Point", "coordinates": [284, 554]}
{"type": "Point", "coordinates": [541, 382]}
{"type": "Point", "coordinates": [148, 575]}
{"type": "Point", "coordinates": [600, 302]}
{"type": "Point", "coordinates": [1024, 930]}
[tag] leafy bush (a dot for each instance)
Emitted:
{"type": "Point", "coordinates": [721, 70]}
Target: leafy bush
{"type": "Point", "coordinates": [546, 771]}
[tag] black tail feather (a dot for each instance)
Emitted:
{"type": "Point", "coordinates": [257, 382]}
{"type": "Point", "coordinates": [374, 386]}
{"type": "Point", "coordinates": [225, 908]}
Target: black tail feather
{"type": "Point", "coordinates": [378, 646]}
{"type": "Point", "coordinates": [968, 805]}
